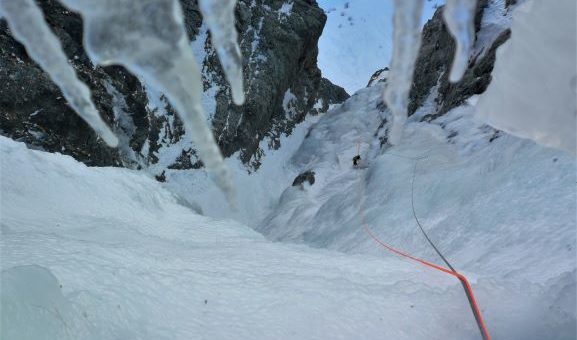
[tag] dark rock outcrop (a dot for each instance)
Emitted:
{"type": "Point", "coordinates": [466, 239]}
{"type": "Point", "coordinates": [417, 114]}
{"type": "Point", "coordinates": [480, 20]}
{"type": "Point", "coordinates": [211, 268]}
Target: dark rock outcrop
{"type": "Point", "coordinates": [434, 61]}
{"type": "Point", "coordinates": [432, 69]}
{"type": "Point", "coordinates": [280, 52]}
{"type": "Point", "coordinates": [307, 176]}
{"type": "Point", "coordinates": [33, 110]}
{"type": "Point", "coordinates": [282, 82]}
{"type": "Point", "coordinates": [378, 76]}
{"type": "Point", "coordinates": [475, 80]}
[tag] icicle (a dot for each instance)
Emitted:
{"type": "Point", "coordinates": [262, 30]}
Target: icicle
{"type": "Point", "coordinates": [28, 27]}
{"type": "Point", "coordinates": [219, 16]}
{"type": "Point", "coordinates": [149, 39]}
{"type": "Point", "coordinates": [459, 16]}
{"type": "Point", "coordinates": [406, 42]}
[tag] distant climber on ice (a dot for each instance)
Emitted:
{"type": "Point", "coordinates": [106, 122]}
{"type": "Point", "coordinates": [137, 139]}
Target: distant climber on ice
{"type": "Point", "coordinates": [356, 160]}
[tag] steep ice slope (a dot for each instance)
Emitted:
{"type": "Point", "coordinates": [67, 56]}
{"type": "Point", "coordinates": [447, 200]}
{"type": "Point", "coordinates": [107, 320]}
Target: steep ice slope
{"type": "Point", "coordinates": [464, 182]}
{"type": "Point", "coordinates": [106, 253]}
{"type": "Point", "coordinates": [502, 209]}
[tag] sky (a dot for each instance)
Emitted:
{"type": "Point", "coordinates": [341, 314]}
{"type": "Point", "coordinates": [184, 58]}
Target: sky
{"type": "Point", "coordinates": [357, 39]}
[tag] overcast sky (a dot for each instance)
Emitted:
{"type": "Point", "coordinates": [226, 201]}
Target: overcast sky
{"type": "Point", "coordinates": [357, 40]}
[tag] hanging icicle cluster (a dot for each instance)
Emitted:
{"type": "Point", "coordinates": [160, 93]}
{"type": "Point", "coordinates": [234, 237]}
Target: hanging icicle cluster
{"type": "Point", "coordinates": [148, 38]}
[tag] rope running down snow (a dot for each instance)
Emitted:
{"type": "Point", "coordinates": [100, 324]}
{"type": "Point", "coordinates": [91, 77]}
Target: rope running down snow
{"type": "Point", "coordinates": [465, 283]}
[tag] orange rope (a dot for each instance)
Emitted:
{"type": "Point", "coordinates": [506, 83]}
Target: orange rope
{"type": "Point", "coordinates": [466, 285]}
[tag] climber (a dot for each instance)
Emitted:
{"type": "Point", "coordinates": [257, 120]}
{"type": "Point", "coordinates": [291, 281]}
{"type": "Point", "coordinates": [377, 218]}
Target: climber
{"type": "Point", "coordinates": [356, 160]}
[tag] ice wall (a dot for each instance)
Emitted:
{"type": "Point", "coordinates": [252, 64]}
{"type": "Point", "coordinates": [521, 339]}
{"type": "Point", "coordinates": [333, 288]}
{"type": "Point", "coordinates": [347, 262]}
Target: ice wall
{"type": "Point", "coordinates": [532, 94]}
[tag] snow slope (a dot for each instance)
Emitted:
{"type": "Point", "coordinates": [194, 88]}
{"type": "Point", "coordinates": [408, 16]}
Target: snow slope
{"type": "Point", "coordinates": [107, 253]}
{"type": "Point", "coordinates": [501, 209]}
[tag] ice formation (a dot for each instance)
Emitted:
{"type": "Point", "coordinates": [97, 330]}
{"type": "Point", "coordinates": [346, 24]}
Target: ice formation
{"type": "Point", "coordinates": [28, 27]}
{"type": "Point", "coordinates": [219, 16]}
{"type": "Point", "coordinates": [532, 94]}
{"type": "Point", "coordinates": [459, 16]}
{"type": "Point", "coordinates": [406, 42]}
{"type": "Point", "coordinates": [149, 38]}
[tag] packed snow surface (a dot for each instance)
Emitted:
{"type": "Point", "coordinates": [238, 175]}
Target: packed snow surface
{"type": "Point", "coordinates": [104, 253]}
{"type": "Point", "coordinates": [134, 263]}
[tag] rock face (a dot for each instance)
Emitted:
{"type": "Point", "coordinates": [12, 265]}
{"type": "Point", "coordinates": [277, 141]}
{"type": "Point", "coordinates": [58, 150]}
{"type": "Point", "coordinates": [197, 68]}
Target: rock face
{"type": "Point", "coordinates": [434, 61]}
{"type": "Point", "coordinates": [379, 76]}
{"type": "Point", "coordinates": [435, 58]}
{"type": "Point", "coordinates": [33, 110]}
{"type": "Point", "coordinates": [283, 84]}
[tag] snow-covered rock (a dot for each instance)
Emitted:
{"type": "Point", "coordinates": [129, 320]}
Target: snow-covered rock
{"type": "Point", "coordinates": [279, 49]}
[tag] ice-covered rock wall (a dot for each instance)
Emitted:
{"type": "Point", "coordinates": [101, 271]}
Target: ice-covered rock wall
{"type": "Point", "coordinates": [459, 17]}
